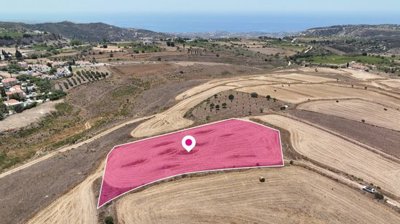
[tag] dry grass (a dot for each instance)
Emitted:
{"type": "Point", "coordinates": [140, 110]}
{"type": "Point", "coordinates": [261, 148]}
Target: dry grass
{"type": "Point", "coordinates": [362, 75]}
{"type": "Point", "coordinates": [289, 195]}
{"type": "Point", "coordinates": [340, 154]}
{"type": "Point", "coordinates": [298, 93]}
{"type": "Point", "coordinates": [393, 83]}
{"type": "Point", "coordinates": [357, 110]}
{"type": "Point", "coordinates": [28, 117]}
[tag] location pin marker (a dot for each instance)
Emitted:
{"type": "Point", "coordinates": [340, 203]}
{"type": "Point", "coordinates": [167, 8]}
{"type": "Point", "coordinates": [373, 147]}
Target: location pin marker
{"type": "Point", "coordinates": [188, 142]}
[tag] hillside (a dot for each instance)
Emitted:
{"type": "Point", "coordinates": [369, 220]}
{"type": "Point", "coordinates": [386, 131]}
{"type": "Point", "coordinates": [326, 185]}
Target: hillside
{"type": "Point", "coordinates": [11, 33]}
{"type": "Point", "coordinates": [94, 31]}
{"type": "Point", "coordinates": [363, 31]}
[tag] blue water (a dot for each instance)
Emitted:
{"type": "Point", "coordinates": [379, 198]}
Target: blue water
{"type": "Point", "coordinates": [212, 22]}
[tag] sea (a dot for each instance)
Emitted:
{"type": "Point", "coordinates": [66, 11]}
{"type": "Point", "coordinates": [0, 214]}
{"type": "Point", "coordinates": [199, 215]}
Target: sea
{"type": "Point", "coordinates": [212, 22]}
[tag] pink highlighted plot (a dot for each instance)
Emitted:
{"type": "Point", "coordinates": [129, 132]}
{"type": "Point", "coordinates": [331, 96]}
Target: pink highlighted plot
{"type": "Point", "coordinates": [229, 144]}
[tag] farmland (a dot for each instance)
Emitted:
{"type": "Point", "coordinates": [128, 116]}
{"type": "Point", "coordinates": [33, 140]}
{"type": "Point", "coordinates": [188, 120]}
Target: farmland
{"type": "Point", "coordinates": [339, 132]}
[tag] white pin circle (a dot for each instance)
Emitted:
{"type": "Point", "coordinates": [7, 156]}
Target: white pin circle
{"type": "Point", "coordinates": [188, 143]}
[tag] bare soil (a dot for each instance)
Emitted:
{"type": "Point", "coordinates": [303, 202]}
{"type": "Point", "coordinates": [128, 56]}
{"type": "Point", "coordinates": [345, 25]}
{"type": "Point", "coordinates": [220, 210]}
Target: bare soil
{"type": "Point", "coordinates": [380, 138]}
{"type": "Point", "coordinates": [28, 117]}
{"type": "Point", "coordinates": [289, 195]}
{"type": "Point", "coordinates": [28, 191]}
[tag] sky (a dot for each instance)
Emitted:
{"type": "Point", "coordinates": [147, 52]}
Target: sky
{"type": "Point", "coordinates": [200, 6]}
{"type": "Point", "coordinates": [205, 15]}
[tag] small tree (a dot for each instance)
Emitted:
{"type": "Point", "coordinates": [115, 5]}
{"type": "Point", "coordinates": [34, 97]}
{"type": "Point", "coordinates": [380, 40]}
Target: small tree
{"type": "Point", "coordinates": [18, 55]}
{"type": "Point", "coordinates": [231, 97]}
{"type": "Point", "coordinates": [212, 106]}
{"type": "Point", "coordinates": [268, 97]}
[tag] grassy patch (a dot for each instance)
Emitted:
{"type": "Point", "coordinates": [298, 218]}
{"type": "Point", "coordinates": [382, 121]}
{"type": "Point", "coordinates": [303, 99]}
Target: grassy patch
{"type": "Point", "coordinates": [285, 45]}
{"type": "Point", "coordinates": [343, 59]}
{"type": "Point", "coordinates": [55, 130]}
{"type": "Point", "coordinates": [7, 34]}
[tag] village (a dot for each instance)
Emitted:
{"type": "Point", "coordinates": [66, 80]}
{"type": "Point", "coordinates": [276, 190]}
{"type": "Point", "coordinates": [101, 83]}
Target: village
{"type": "Point", "coordinates": [24, 84]}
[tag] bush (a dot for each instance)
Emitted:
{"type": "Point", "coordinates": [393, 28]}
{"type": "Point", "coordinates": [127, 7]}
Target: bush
{"type": "Point", "coordinates": [57, 94]}
{"type": "Point", "coordinates": [379, 196]}
{"type": "Point", "coordinates": [109, 220]}
{"type": "Point", "coordinates": [254, 95]}
{"type": "Point", "coordinates": [34, 104]}
{"type": "Point", "coordinates": [19, 108]}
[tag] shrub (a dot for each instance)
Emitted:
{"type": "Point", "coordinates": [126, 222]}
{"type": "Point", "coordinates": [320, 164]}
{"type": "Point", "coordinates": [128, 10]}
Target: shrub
{"type": "Point", "coordinates": [57, 94]}
{"type": "Point", "coordinates": [109, 220]}
{"type": "Point", "coordinates": [19, 108]}
{"type": "Point", "coordinates": [268, 97]}
{"type": "Point", "coordinates": [254, 95]}
{"type": "Point", "coordinates": [34, 104]}
{"type": "Point", "coordinates": [379, 196]}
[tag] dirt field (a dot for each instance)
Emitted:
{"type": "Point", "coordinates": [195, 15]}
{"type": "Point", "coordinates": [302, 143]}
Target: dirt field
{"type": "Point", "coordinates": [289, 195]}
{"type": "Point", "coordinates": [298, 93]}
{"type": "Point", "coordinates": [79, 205]}
{"type": "Point", "coordinates": [340, 154]}
{"type": "Point", "coordinates": [357, 110]}
{"type": "Point", "coordinates": [361, 132]}
{"type": "Point", "coordinates": [171, 91]}
{"type": "Point", "coordinates": [28, 117]}
{"type": "Point", "coordinates": [306, 78]}
{"type": "Point", "coordinates": [44, 182]}
{"type": "Point", "coordinates": [393, 83]}
{"type": "Point", "coordinates": [246, 144]}
{"type": "Point", "coordinates": [362, 75]}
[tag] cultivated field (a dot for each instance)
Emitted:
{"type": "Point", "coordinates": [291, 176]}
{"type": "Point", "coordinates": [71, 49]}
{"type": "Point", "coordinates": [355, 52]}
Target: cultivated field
{"type": "Point", "coordinates": [393, 83]}
{"type": "Point", "coordinates": [357, 110]}
{"type": "Point", "coordinates": [306, 78]}
{"type": "Point", "coordinates": [340, 154]}
{"type": "Point", "coordinates": [229, 144]}
{"type": "Point", "coordinates": [298, 93]}
{"type": "Point", "coordinates": [362, 75]}
{"type": "Point", "coordinates": [289, 195]}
